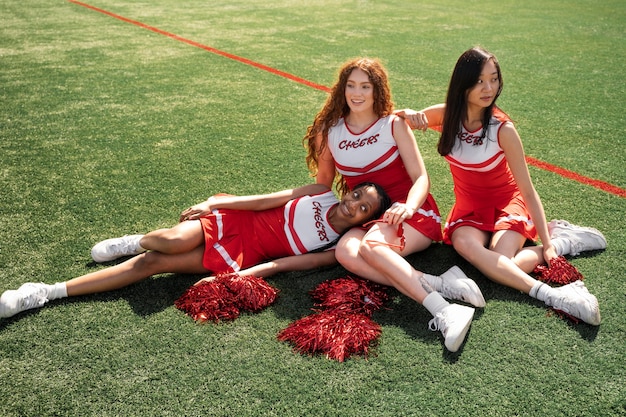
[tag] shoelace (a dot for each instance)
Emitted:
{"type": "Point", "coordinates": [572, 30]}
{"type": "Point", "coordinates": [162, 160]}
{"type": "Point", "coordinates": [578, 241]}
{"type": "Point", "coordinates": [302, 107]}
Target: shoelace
{"type": "Point", "coordinates": [454, 293]}
{"type": "Point", "coordinates": [565, 300]}
{"type": "Point", "coordinates": [400, 234]}
{"type": "Point", "coordinates": [122, 247]}
{"type": "Point", "coordinates": [437, 323]}
{"type": "Point", "coordinates": [582, 246]}
{"type": "Point", "coordinates": [34, 299]}
{"type": "Point", "coordinates": [576, 248]}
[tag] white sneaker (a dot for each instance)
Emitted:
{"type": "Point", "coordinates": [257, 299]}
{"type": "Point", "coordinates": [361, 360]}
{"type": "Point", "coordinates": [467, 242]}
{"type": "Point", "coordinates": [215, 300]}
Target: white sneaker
{"type": "Point", "coordinates": [576, 300]}
{"type": "Point", "coordinates": [453, 321]}
{"type": "Point", "coordinates": [582, 238]}
{"type": "Point", "coordinates": [28, 296]}
{"type": "Point", "coordinates": [111, 249]}
{"type": "Point", "coordinates": [455, 285]}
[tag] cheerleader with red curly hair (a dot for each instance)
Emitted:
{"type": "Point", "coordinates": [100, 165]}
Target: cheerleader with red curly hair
{"type": "Point", "coordinates": [356, 137]}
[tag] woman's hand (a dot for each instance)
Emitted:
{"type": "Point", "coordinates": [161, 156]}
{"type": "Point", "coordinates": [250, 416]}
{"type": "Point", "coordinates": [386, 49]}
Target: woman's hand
{"type": "Point", "coordinates": [397, 213]}
{"type": "Point", "coordinates": [198, 210]}
{"type": "Point", "coordinates": [207, 279]}
{"type": "Point", "coordinates": [416, 120]}
{"type": "Point", "coordinates": [549, 253]}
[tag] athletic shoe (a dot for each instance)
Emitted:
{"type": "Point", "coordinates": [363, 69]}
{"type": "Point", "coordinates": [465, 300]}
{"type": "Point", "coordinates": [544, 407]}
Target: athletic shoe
{"type": "Point", "coordinates": [28, 296]}
{"type": "Point", "coordinates": [455, 285]}
{"type": "Point", "coordinates": [581, 238]}
{"type": "Point", "coordinates": [453, 322]}
{"type": "Point", "coordinates": [111, 249]}
{"type": "Point", "coordinates": [575, 300]}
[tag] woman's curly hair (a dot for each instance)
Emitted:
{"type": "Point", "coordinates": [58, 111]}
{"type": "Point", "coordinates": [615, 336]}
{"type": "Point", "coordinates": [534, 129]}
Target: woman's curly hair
{"type": "Point", "coordinates": [336, 108]}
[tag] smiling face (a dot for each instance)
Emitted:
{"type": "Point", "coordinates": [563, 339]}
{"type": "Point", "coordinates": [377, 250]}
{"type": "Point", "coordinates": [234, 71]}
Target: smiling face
{"type": "Point", "coordinates": [359, 206]}
{"type": "Point", "coordinates": [359, 91]}
{"type": "Point", "coordinates": [486, 89]}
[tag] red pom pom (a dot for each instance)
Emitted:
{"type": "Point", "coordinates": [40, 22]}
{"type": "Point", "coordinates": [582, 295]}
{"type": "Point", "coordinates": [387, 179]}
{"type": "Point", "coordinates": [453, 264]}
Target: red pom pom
{"type": "Point", "coordinates": [560, 272]}
{"type": "Point", "coordinates": [344, 327]}
{"type": "Point", "coordinates": [250, 292]}
{"type": "Point", "coordinates": [351, 294]}
{"type": "Point", "coordinates": [209, 300]}
{"type": "Point", "coordinates": [224, 297]}
{"type": "Point", "coordinates": [336, 333]}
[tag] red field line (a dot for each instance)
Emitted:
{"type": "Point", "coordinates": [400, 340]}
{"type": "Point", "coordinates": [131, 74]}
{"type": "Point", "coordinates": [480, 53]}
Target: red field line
{"type": "Point", "coordinates": [604, 186]}
{"type": "Point", "coordinates": [206, 48]}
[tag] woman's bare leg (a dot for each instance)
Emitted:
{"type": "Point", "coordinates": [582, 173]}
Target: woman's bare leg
{"type": "Point", "coordinates": [378, 262]}
{"type": "Point", "coordinates": [181, 238]}
{"type": "Point", "coordinates": [470, 243]}
{"type": "Point", "coordinates": [348, 251]}
{"type": "Point", "coordinates": [176, 250]}
{"type": "Point", "coordinates": [370, 256]}
{"type": "Point", "coordinates": [136, 269]}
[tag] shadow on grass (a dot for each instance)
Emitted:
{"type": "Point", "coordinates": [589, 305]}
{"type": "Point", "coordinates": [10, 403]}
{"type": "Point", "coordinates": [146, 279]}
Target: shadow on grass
{"type": "Point", "coordinates": [402, 312]}
{"type": "Point", "coordinates": [294, 302]}
{"type": "Point", "coordinates": [158, 293]}
{"type": "Point", "coordinates": [147, 297]}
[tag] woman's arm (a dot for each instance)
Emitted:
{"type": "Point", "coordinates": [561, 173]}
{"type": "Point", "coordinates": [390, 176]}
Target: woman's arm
{"type": "Point", "coordinates": [289, 263]}
{"type": "Point", "coordinates": [511, 143]}
{"type": "Point", "coordinates": [250, 202]}
{"type": "Point", "coordinates": [292, 263]}
{"type": "Point", "coordinates": [423, 119]}
{"type": "Point", "coordinates": [412, 159]}
{"type": "Point", "coordinates": [325, 164]}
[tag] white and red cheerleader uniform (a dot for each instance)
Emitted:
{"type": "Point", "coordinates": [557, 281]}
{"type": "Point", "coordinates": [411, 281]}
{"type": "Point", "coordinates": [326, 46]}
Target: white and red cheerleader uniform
{"type": "Point", "coordinates": [487, 196]}
{"type": "Point", "coordinates": [373, 156]}
{"type": "Point", "coordinates": [239, 239]}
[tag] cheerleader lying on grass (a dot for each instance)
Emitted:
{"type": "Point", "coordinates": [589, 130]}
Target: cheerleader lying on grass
{"type": "Point", "coordinates": [295, 228]}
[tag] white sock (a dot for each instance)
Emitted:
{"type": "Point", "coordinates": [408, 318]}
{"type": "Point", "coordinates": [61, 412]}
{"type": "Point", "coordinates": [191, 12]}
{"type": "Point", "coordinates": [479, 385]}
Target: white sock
{"type": "Point", "coordinates": [435, 303]}
{"type": "Point", "coordinates": [540, 291]}
{"type": "Point", "coordinates": [562, 245]}
{"type": "Point", "coordinates": [56, 291]}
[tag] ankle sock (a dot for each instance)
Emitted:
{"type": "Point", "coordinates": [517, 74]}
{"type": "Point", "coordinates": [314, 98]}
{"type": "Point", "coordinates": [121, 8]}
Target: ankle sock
{"type": "Point", "coordinates": [56, 291]}
{"type": "Point", "coordinates": [540, 291]}
{"type": "Point", "coordinates": [562, 245]}
{"type": "Point", "coordinates": [435, 303]}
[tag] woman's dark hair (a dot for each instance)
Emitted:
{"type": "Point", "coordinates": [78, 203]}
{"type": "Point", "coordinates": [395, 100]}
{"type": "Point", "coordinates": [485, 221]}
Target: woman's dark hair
{"type": "Point", "coordinates": [385, 203]}
{"type": "Point", "coordinates": [465, 76]}
{"type": "Point", "coordinates": [383, 198]}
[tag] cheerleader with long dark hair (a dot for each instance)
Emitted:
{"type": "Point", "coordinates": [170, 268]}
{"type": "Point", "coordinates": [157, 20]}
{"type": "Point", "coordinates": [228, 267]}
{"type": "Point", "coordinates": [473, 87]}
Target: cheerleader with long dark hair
{"type": "Point", "coordinates": [497, 208]}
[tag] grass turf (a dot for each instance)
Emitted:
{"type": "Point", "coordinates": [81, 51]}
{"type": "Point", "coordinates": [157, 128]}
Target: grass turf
{"type": "Point", "coordinates": [108, 128]}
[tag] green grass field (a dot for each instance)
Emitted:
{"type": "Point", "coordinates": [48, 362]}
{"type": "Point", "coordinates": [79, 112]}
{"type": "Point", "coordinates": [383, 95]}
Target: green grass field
{"type": "Point", "coordinates": [107, 128]}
